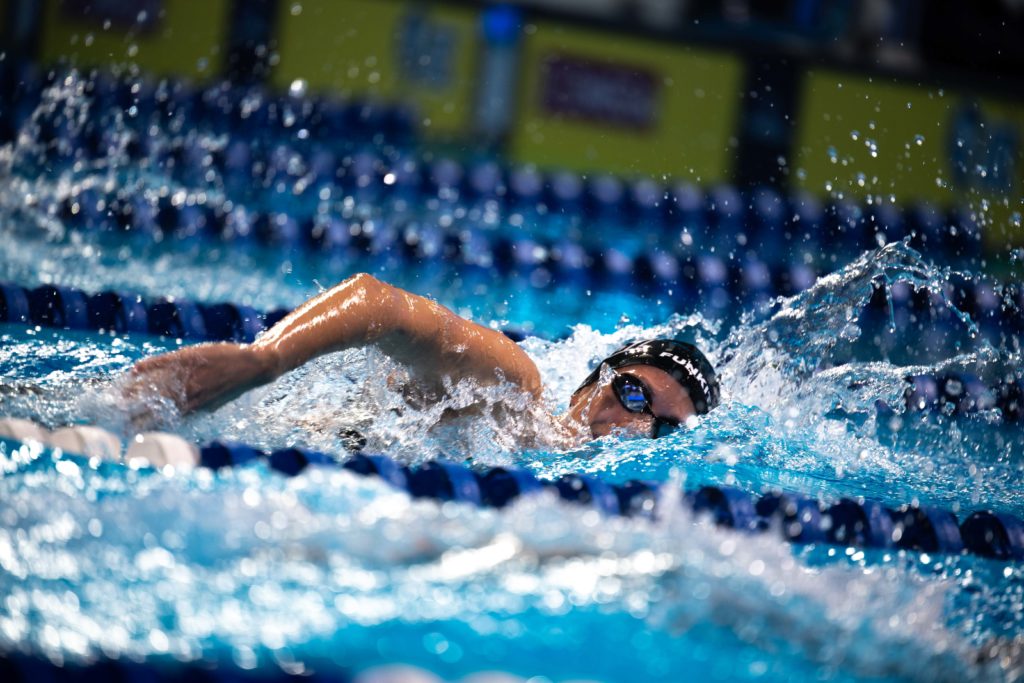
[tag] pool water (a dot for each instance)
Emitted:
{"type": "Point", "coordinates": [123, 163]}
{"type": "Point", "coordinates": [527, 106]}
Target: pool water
{"type": "Point", "coordinates": [327, 568]}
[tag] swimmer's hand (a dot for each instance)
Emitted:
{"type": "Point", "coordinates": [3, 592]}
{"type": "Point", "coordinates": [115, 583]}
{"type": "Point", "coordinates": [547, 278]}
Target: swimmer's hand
{"type": "Point", "coordinates": [201, 376]}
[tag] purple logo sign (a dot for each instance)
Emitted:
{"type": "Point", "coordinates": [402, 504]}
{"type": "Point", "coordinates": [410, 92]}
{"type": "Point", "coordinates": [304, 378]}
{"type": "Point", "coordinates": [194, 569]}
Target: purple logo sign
{"type": "Point", "coordinates": [600, 92]}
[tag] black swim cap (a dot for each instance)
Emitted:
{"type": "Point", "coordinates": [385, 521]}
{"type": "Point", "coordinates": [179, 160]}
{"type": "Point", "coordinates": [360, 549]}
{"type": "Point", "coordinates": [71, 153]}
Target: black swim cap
{"type": "Point", "coordinates": [684, 362]}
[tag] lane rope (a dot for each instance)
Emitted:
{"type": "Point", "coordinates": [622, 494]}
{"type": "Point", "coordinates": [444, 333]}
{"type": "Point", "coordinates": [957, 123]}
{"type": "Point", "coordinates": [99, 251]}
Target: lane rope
{"type": "Point", "coordinates": [797, 518]}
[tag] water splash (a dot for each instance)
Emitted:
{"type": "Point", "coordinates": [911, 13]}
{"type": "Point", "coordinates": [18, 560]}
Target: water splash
{"type": "Point", "coordinates": [328, 564]}
{"type": "Point", "coordinates": [77, 171]}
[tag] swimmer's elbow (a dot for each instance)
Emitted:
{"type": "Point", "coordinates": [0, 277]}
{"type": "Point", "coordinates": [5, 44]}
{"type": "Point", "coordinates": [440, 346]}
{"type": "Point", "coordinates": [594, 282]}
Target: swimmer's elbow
{"type": "Point", "coordinates": [533, 385]}
{"type": "Point", "coordinates": [367, 288]}
{"type": "Point", "coordinates": [519, 368]}
{"type": "Point", "coordinates": [357, 285]}
{"type": "Point", "coordinates": [363, 281]}
{"type": "Point", "coordinates": [361, 278]}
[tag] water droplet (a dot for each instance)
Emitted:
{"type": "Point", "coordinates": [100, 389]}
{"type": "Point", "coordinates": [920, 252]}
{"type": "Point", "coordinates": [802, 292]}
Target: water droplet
{"type": "Point", "coordinates": [919, 140]}
{"type": "Point", "coordinates": [298, 87]}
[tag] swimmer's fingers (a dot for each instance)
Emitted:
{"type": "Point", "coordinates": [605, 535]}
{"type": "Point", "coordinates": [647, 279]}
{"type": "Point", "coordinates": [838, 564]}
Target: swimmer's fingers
{"type": "Point", "coordinates": [147, 409]}
{"type": "Point", "coordinates": [199, 376]}
{"type": "Point", "coordinates": [142, 416]}
{"type": "Point", "coordinates": [155, 378]}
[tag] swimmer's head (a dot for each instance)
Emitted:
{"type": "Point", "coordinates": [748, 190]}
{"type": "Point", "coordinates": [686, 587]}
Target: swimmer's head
{"type": "Point", "coordinates": [647, 387]}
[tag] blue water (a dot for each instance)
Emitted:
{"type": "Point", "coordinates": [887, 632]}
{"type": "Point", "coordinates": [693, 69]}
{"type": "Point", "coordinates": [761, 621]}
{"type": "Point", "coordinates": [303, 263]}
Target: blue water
{"type": "Point", "coordinates": [99, 559]}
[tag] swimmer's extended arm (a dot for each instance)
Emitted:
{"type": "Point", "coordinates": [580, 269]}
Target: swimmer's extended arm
{"type": "Point", "coordinates": [427, 337]}
{"type": "Point", "coordinates": [422, 334]}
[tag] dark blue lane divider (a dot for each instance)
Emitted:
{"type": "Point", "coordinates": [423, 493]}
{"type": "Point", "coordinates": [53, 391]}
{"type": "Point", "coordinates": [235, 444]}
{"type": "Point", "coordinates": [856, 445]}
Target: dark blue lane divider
{"type": "Point", "coordinates": [865, 523]}
{"type": "Point", "coordinates": [124, 312]}
{"type": "Point", "coordinates": [18, 667]}
{"type": "Point", "coordinates": [797, 518]}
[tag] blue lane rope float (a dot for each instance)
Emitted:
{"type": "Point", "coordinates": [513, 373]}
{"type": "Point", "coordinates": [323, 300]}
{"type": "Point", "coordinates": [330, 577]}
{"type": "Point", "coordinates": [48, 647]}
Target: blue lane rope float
{"type": "Point", "coordinates": [994, 535]}
{"type": "Point", "coordinates": [65, 307]}
{"type": "Point", "coordinates": [860, 523]}
{"type": "Point", "coordinates": [501, 485]}
{"type": "Point", "coordinates": [727, 506]}
{"type": "Point", "coordinates": [800, 519]}
{"type": "Point", "coordinates": [926, 528]}
{"type": "Point", "coordinates": [589, 490]}
{"type": "Point", "coordinates": [14, 304]}
{"type": "Point", "coordinates": [638, 498]}
{"type": "Point", "coordinates": [119, 312]}
{"type": "Point", "coordinates": [181, 319]}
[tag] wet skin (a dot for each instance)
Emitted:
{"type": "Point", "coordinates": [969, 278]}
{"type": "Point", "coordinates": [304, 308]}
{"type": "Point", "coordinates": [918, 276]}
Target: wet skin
{"type": "Point", "coordinates": [597, 406]}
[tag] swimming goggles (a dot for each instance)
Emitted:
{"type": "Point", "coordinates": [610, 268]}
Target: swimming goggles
{"type": "Point", "coordinates": [635, 397]}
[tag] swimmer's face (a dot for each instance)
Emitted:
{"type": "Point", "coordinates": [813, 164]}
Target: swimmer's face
{"type": "Point", "coordinates": [597, 407]}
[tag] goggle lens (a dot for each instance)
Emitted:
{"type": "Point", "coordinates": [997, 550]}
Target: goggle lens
{"type": "Point", "coordinates": [636, 398]}
{"type": "Point", "coordinates": [633, 396]}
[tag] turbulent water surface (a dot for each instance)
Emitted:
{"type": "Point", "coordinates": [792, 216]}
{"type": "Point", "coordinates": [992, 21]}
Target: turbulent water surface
{"type": "Point", "coordinates": [102, 559]}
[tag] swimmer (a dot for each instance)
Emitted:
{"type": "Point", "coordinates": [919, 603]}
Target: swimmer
{"type": "Point", "coordinates": [647, 388]}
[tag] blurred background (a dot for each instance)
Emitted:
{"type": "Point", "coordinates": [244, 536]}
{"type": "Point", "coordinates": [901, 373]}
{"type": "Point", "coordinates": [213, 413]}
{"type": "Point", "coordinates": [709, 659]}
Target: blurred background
{"type": "Point", "coordinates": [907, 115]}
